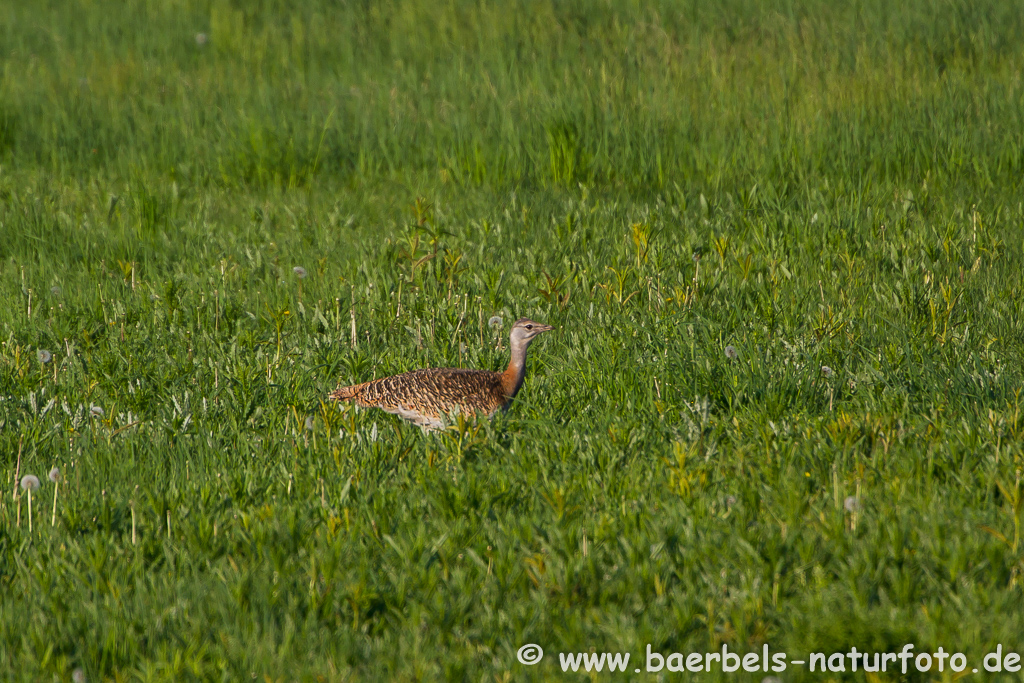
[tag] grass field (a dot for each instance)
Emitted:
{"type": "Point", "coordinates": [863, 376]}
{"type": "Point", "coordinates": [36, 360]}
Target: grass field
{"type": "Point", "coordinates": [834, 192]}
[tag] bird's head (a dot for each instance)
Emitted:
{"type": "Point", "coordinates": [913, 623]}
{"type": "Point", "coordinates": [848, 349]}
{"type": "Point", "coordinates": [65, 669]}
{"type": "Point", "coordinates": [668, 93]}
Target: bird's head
{"type": "Point", "coordinates": [525, 330]}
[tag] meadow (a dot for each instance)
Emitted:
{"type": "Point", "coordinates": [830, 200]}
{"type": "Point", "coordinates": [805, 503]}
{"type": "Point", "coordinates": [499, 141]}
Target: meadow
{"type": "Point", "coordinates": [781, 243]}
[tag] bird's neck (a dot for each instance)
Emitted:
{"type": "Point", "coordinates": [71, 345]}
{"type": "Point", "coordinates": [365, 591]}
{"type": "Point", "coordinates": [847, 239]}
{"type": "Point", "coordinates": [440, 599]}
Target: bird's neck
{"type": "Point", "coordinates": [513, 376]}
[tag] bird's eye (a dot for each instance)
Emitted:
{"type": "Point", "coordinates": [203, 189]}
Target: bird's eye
{"type": "Point", "coordinates": [529, 327]}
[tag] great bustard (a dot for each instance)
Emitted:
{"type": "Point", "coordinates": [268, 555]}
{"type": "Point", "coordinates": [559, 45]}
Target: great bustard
{"type": "Point", "coordinates": [427, 397]}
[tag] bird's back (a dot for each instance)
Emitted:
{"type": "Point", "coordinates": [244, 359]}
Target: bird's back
{"type": "Point", "coordinates": [426, 397]}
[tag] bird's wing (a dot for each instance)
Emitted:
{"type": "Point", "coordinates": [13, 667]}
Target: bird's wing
{"type": "Point", "coordinates": [429, 394]}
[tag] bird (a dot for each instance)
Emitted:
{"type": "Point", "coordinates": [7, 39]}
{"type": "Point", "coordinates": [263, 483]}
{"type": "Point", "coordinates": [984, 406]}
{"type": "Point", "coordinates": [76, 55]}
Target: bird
{"type": "Point", "coordinates": [428, 397]}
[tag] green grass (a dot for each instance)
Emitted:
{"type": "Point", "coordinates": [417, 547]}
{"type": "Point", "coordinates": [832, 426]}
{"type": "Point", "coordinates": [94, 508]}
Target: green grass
{"type": "Point", "coordinates": [816, 186]}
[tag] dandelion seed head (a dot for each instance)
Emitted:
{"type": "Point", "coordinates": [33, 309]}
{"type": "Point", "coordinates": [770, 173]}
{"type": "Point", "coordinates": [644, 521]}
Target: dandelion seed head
{"type": "Point", "coordinates": [44, 356]}
{"type": "Point", "coordinates": [730, 500]}
{"type": "Point", "coordinates": [731, 353]}
{"type": "Point", "coordinates": [55, 290]}
{"type": "Point", "coordinates": [495, 321]}
{"type": "Point", "coordinates": [78, 676]}
{"type": "Point", "coordinates": [300, 272]}
{"type": "Point", "coordinates": [201, 39]}
{"type": "Point", "coordinates": [696, 257]}
{"type": "Point", "coordinates": [54, 475]}
{"type": "Point", "coordinates": [309, 423]}
{"type": "Point", "coordinates": [29, 482]}
{"type": "Point", "coordinates": [826, 370]}
{"type": "Point", "coordinates": [96, 411]}
{"type": "Point", "coordinates": [851, 504]}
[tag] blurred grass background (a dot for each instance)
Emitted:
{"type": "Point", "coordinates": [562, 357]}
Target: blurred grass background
{"type": "Point", "coordinates": [817, 185]}
{"type": "Point", "coordinates": [640, 96]}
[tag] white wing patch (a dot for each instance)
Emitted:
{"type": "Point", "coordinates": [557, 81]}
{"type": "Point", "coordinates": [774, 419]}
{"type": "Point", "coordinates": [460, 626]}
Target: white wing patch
{"type": "Point", "coordinates": [428, 422]}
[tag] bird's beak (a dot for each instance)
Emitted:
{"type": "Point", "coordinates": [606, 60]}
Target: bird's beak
{"type": "Point", "coordinates": [543, 328]}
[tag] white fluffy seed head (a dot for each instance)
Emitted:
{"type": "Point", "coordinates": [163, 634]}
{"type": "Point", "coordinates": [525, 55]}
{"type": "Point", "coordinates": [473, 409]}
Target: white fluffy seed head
{"type": "Point", "coordinates": [826, 370]}
{"type": "Point", "coordinates": [731, 353]}
{"type": "Point", "coordinates": [851, 504]}
{"type": "Point", "coordinates": [29, 482]}
{"type": "Point", "coordinates": [54, 475]}
{"type": "Point", "coordinates": [44, 356]}
{"type": "Point", "coordinates": [495, 321]}
{"type": "Point", "coordinates": [300, 272]}
{"type": "Point", "coordinates": [96, 411]}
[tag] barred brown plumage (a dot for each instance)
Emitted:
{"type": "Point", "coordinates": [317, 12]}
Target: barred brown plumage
{"type": "Point", "coordinates": [427, 397]}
